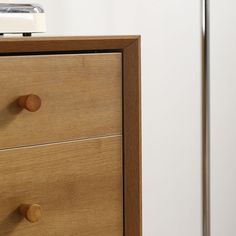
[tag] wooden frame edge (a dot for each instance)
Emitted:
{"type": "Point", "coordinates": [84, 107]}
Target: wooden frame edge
{"type": "Point", "coordinates": [132, 139]}
{"type": "Point", "coordinates": [64, 44]}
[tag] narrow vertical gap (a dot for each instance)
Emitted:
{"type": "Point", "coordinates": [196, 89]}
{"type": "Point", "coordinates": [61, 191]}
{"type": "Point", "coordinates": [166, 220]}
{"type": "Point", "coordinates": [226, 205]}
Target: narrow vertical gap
{"type": "Point", "coordinates": [205, 119]}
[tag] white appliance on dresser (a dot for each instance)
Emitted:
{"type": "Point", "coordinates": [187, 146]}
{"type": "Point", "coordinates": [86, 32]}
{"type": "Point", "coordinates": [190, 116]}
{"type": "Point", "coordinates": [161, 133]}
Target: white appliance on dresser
{"type": "Point", "coordinates": [21, 19]}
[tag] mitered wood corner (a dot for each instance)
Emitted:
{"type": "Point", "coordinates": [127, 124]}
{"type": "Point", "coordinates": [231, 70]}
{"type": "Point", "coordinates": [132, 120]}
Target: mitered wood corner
{"type": "Point", "coordinates": [129, 46]}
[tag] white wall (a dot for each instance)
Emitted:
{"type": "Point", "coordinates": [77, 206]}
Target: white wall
{"type": "Point", "coordinates": [223, 117]}
{"type": "Point", "coordinates": [171, 78]}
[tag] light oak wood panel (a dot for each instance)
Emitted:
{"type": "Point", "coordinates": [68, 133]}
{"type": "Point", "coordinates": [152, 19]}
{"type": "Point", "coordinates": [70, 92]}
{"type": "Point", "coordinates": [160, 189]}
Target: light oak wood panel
{"type": "Point", "coordinates": [78, 185]}
{"type": "Point", "coordinates": [81, 97]}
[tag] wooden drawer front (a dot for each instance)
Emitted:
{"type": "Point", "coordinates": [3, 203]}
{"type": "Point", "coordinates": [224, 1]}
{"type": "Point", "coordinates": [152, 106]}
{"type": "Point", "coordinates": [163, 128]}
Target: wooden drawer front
{"type": "Point", "coordinates": [77, 184]}
{"type": "Point", "coordinates": [81, 97]}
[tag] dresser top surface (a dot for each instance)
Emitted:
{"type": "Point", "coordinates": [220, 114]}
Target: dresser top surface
{"type": "Point", "coordinates": [62, 44]}
{"type": "Point", "coordinates": [53, 38]}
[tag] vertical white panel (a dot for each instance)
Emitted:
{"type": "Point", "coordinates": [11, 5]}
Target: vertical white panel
{"type": "Point", "coordinates": [171, 117]}
{"type": "Point", "coordinates": [223, 117]}
{"type": "Point", "coordinates": [171, 91]}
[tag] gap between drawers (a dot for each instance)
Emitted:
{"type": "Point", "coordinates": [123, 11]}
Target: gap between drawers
{"type": "Point", "coordinates": [61, 142]}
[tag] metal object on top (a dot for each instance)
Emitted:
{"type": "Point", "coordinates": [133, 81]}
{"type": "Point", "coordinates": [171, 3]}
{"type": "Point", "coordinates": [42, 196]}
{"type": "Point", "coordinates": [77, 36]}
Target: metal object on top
{"type": "Point", "coordinates": [20, 8]}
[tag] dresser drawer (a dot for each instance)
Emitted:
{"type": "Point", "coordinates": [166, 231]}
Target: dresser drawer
{"type": "Point", "coordinates": [81, 97]}
{"type": "Point", "coordinates": [77, 184]}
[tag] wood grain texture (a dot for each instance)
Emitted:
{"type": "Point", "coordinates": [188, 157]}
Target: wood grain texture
{"type": "Point", "coordinates": [77, 184]}
{"type": "Point", "coordinates": [132, 140]}
{"type": "Point", "coordinates": [81, 97]}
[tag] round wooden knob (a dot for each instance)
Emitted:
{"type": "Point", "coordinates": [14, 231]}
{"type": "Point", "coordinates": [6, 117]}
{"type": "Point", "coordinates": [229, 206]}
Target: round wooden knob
{"type": "Point", "coordinates": [31, 212]}
{"type": "Point", "coordinates": [30, 102]}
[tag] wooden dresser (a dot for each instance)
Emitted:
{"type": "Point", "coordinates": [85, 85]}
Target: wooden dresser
{"type": "Point", "coordinates": [70, 139]}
